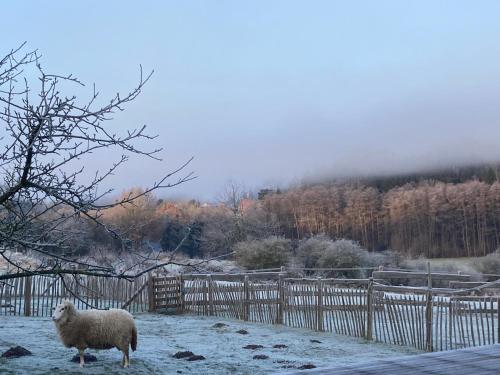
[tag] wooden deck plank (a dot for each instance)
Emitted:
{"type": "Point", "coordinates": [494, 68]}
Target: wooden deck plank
{"type": "Point", "coordinates": [478, 361]}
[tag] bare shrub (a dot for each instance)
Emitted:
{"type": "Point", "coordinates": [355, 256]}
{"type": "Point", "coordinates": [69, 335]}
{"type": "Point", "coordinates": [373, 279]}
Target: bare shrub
{"type": "Point", "coordinates": [271, 252]}
{"type": "Point", "coordinates": [344, 254]}
{"type": "Point", "coordinates": [387, 258]}
{"type": "Point", "coordinates": [311, 249]}
{"type": "Point", "coordinates": [323, 252]}
{"type": "Point", "coordinates": [489, 263]}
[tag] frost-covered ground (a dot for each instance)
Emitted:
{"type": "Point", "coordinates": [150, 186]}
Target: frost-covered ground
{"type": "Point", "coordinates": [161, 336]}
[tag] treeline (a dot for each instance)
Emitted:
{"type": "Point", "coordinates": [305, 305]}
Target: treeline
{"type": "Point", "coordinates": [459, 216]}
{"type": "Point", "coordinates": [429, 218]}
{"type": "Point", "coordinates": [188, 227]}
{"type": "Point", "coordinates": [488, 173]}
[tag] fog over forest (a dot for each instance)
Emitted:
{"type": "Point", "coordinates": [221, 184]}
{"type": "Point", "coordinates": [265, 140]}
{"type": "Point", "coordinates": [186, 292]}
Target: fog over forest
{"type": "Point", "coordinates": [269, 97]}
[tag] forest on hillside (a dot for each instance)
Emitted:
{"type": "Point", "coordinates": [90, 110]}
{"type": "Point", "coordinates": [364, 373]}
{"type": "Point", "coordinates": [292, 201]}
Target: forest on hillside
{"type": "Point", "coordinates": [433, 219]}
{"type": "Point", "coordinates": [421, 217]}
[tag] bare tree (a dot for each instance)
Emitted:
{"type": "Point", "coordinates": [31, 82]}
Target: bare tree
{"type": "Point", "coordinates": [232, 195]}
{"type": "Point", "coordinates": [46, 138]}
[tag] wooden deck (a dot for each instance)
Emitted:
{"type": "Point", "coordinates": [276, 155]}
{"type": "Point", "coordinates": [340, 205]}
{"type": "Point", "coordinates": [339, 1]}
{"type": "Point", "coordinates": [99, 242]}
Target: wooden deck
{"type": "Point", "coordinates": [483, 360]}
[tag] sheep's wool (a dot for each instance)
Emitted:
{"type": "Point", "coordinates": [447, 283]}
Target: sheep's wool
{"type": "Point", "coordinates": [95, 329]}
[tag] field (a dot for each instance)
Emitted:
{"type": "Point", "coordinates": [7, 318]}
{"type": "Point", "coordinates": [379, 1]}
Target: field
{"type": "Point", "coordinates": [468, 265]}
{"type": "Point", "coordinates": [162, 336]}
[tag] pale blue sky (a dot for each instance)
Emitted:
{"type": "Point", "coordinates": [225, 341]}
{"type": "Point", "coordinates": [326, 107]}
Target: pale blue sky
{"type": "Point", "coordinates": [269, 92]}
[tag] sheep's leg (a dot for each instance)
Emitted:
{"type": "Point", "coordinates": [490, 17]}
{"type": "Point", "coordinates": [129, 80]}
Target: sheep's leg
{"type": "Point", "coordinates": [126, 359]}
{"type": "Point", "coordinates": [82, 359]}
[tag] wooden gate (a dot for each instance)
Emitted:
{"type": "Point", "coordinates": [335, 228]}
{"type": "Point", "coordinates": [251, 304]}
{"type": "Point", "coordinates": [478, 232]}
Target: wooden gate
{"type": "Point", "coordinates": [165, 294]}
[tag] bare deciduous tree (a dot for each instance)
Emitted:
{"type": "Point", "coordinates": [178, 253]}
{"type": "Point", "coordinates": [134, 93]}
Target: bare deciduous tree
{"type": "Point", "coordinates": [232, 195]}
{"type": "Point", "coordinates": [45, 140]}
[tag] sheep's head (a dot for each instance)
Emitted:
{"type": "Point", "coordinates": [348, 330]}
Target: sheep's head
{"type": "Point", "coordinates": [63, 312]}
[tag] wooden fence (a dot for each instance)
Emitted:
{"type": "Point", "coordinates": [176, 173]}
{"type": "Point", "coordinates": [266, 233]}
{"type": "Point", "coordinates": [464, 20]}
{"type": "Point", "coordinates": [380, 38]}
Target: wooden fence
{"type": "Point", "coordinates": [425, 318]}
{"type": "Point", "coordinates": [422, 318]}
{"type": "Point", "coordinates": [38, 295]}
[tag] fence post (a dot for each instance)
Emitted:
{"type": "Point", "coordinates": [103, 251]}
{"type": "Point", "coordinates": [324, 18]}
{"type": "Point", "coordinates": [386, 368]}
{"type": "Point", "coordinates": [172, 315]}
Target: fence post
{"type": "Point", "coordinates": [428, 311]}
{"type": "Point", "coordinates": [280, 299]}
{"type": "Point", "coordinates": [319, 305]}
{"type": "Point", "coordinates": [451, 322]}
{"type": "Point", "coordinates": [151, 293]}
{"type": "Point", "coordinates": [27, 296]}
{"type": "Point", "coordinates": [369, 310]}
{"type": "Point", "coordinates": [246, 300]}
{"type": "Point", "coordinates": [181, 294]}
{"type": "Point", "coordinates": [498, 318]}
{"type": "Point", "coordinates": [205, 295]}
{"type": "Point", "coordinates": [210, 295]}
{"type": "Point", "coordinates": [96, 291]}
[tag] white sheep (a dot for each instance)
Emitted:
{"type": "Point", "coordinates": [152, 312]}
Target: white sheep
{"type": "Point", "coordinates": [96, 329]}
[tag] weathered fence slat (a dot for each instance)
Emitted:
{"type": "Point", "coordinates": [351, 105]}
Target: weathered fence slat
{"type": "Point", "coordinates": [27, 296]}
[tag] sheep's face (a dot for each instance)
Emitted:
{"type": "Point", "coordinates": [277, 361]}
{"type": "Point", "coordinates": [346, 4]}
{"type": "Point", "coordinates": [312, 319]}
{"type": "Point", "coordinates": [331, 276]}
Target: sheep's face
{"type": "Point", "coordinates": [61, 312]}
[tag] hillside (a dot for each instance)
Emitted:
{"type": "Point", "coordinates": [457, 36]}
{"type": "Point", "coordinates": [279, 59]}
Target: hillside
{"type": "Point", "coordinates": [447, 213]}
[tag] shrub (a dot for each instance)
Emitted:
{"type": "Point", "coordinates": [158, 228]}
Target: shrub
{"type": "Point", "coordinates": [322, 252]}
{"type": "Point", "coordinates": [489, 263]}
{"type": "Point", "coordinates": [344, 254]}
{"type": "Point", "coordinates": [383, 258]}
{"type": "Point", "coordinates": [272, 252]}
{"type": "Point", "coordinates": [310, 251]}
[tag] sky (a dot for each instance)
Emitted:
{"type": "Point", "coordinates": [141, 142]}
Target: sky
{"type": "Point", "coordinates": [269, 93]}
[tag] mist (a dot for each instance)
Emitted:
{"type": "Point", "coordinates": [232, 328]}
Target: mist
{"type": "Point", "coordinates": [270, 94]}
